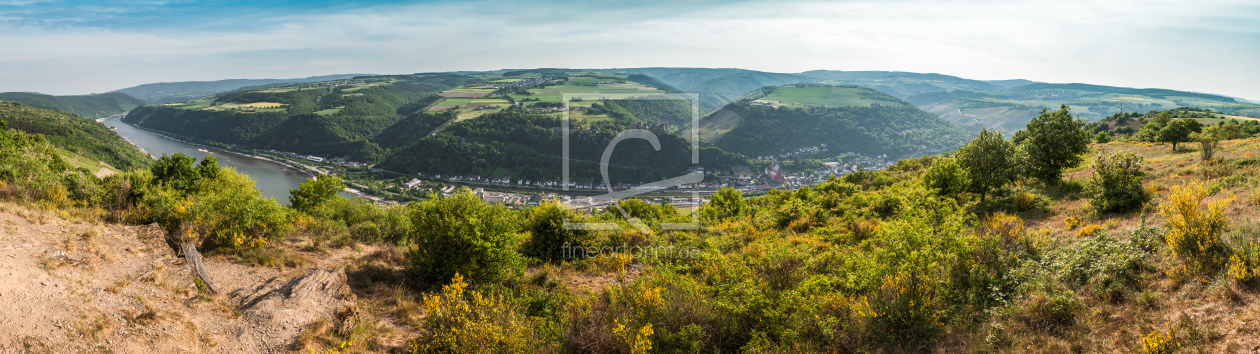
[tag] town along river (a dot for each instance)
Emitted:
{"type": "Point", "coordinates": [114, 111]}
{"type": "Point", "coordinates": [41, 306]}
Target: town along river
{"type": "Point", "coordinates": [273, 179]}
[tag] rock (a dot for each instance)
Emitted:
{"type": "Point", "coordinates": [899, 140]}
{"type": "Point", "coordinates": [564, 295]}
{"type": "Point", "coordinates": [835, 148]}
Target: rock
{"type": "Point", "coordinates": [287, 307]}
{"type": "Point", "coordinates": [155, 237]}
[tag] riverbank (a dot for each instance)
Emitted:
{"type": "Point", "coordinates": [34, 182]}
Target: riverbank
{"type": "Point", "coordinates": [232, 158]}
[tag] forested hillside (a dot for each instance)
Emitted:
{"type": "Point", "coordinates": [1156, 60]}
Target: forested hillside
{"type": "Point", "coordinates": [717, 87]}
{"type": "Point", "coordinates": [332, 119]}
{"type": "Point", "coordinates": [74, 135]}
{"type": "Point", "coordinates": [779, 120]}
{"type": "Point", "coordinates": [166, 92]}
{"type": "Point", "coordinates": [90, 106]}
{"type": "Point", "coordinates": [528, 146]}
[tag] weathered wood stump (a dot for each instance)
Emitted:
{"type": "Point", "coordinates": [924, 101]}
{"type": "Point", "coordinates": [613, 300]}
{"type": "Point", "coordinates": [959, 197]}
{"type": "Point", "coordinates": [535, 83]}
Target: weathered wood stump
{"type": "Point", "coordinates": [195, 266]}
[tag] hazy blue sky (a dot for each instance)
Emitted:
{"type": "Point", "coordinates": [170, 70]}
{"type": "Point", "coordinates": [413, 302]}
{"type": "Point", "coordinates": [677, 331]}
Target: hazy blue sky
{"type": "Point", "coordinates": [71, 47]}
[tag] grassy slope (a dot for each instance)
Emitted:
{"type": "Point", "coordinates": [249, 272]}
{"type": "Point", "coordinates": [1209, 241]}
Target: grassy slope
{"type": "Point", "coordinates": [1222, 313]}
{"type": "Point", "coordinates": [91, 106]}
{"type": "Point", "coordinates": [78, 136]}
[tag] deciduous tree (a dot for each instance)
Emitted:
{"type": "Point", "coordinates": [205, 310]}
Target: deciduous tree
{"type": "Point", "coordinates": [990, 160]}
{"type": "Point", "coordinates": [1055, 141]}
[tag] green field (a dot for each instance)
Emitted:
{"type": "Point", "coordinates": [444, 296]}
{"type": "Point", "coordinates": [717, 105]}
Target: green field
{"type": "Point", "coordinates": [810, 95]}
{"type": "Point", "coordinates": [455, 101]}
{"type": "Point", "coordinates": [473, 90]}
{"type": "Point", "coordinates": [541, 97]}
{"type": "Point", "coordinates": [792, 96]}
{"type": "Point", "coordinates": [329, 112]}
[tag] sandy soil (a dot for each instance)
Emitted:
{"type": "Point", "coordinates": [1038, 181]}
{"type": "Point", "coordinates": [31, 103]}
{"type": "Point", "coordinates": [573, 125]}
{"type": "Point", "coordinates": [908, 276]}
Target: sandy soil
{"type": "Point", "coordinates": [78, 287]}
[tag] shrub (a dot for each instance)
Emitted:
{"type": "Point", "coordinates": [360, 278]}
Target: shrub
{"type": "Point", "coordinates": [1156, 343]}
{"type": "Point", "coordinates": [314, 192]}
{"type": "Point", "coordinates": [1051, 311]}
{"type": "Point", "coordinates": [1105, 265]}
{"type": "Point", "coordinates": [1102, 138]}
{"type": "Point", "coordinates": [1025, 200]}
{"type": "Point", "coordinates": [1209, 139]}
{"type": "Point", "coordinates": [462, 321]}
{"type": "Point", "coordinates": [376, 223]}
{"type": "Point", "coordinates": [236, 214]}
{"type": "Point", "coordinates": [550, 240]}
{"type": "Point", "coordinates": [1117, 182]}
{"type": "Point", "coordinates": [1244, 265]}
{"type": "Point", "coordinates": [460, 234]}
{"type": "Point", "coordinates": [1194, 234]}
{"type": "Point", "coordinates": [1002, 246]}
{"type": "Point", "coordinates": [1088, 230]}
{"type": "Point", "coordinates": [906, 311]}
{"type": "Point", "coordinates": [947, 178]}
{"type": "Point", "coordinates": [725, 204]}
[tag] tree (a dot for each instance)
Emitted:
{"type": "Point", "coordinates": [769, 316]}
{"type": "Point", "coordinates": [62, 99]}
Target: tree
{"type": "Point", "coordinates": [176, 171]}
{"type": "Point", "coordinates": [1178, 131]}
{"type": "Point", "coordinates": [1117, 182]}
{"type": "Point", "coordinates": [990, 160]}
{"type": "Point", "coordinates": [1102, 138]}
{"type": "Point", "coordinates": [314, 192]}
{"type": "Point", "coordinates": [947, 178]}
{"type": "Point", "coordinates": [1055, 142]}
{"type": "Point", "coordinates": [1231, 131]}
{"type": "Point", "coordinates": [1150, 130]}
{"type": "Point", "coordinates": [208, 168]}
{"type": "Point", "coordinates": [1208, 139]}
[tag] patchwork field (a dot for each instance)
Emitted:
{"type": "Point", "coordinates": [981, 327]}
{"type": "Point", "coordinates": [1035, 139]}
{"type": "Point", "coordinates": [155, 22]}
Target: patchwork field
{"type": "Point", "coordinates": [450, 94]}
{"type": "Point", "coordinates": [800, 96]}
{"type": "Point", "coordinates": [249, 107]}
{"type": "Point", "coordinates": [330, 111]}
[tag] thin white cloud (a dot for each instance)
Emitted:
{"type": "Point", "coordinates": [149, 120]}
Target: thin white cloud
{"type": "Point", "coordinates": [1206, 46]}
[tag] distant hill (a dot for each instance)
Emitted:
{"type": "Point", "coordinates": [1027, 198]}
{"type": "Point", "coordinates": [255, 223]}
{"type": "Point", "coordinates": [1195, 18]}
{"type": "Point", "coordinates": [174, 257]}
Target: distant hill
{"type": "Point", "coordinates": [900, 83]}
{"type": "Point", "coordinates": [334, 118]}
{"type": "Point", "coordinates": [1011, 83]}
{"type": "Point", "coordinates": [717, 87]}
{"type": "Point", "coordinates": [779, 120]}
{"type": "Point", "coordinates": [166, 92]}
{"type": "Point", "coordinates": [1010, 104]}
{"type": "Point", "coordinates": [90, 106]}
{"type": "Point", "coordinates": [75, 135]}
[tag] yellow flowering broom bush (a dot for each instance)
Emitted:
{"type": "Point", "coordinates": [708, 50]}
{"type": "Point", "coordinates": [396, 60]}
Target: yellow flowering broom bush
{"type": "Point", "coordinates": [1194, 233]}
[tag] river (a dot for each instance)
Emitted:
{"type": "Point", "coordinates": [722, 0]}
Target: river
{"type": "Point", "coordinates": [273, 179]}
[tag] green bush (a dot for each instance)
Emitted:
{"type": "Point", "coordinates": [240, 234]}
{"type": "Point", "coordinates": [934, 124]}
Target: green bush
{"type": "Point", "coordinates": [315, 191]}
{"type": "Point", "coordinates": [947, 178]}
{"type": "Point", "coordinates": [1117, 182]}
{"type": "Point", "coordinates": [549, 240]}
{"type": "Point", "coordinates": [212, 206]}
{"type": "Point", "coordinates": [460, 234]}
{"type": "Point", "coordinates": [1105, 266]}
{"type": "Point", "coordinates": [725, 204]}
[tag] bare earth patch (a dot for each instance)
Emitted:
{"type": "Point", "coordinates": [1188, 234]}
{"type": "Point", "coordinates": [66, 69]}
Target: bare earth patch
{"type": "Point", "coordinates": [68, 287]}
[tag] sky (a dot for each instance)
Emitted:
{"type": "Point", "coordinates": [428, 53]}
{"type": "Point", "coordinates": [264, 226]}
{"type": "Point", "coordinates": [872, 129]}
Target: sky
{"type": "Point", "coordinates": [79, 47]}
